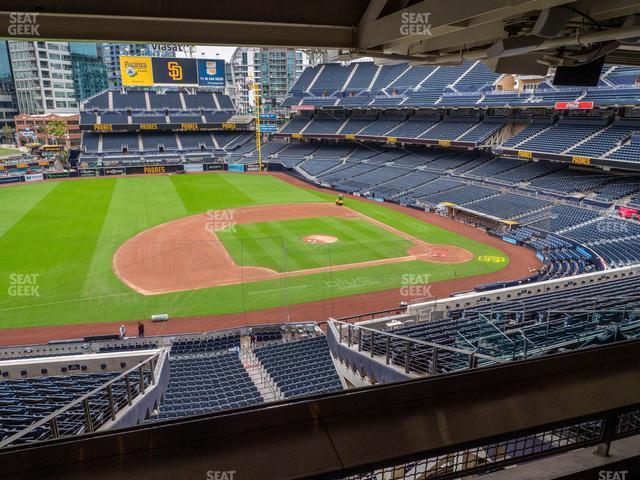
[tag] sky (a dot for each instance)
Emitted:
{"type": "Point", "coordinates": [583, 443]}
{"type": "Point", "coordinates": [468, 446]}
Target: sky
{"type": "Point", "coordinates": [211, 51]}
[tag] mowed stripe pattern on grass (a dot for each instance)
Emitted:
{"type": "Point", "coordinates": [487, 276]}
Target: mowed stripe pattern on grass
{"type": "Point", "coordinates": [280, 245]}
{"type": "Point", "coordinates": [67, 232]}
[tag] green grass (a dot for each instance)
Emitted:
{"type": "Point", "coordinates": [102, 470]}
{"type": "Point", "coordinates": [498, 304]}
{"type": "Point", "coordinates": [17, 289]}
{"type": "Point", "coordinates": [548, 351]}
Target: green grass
{"type": "Point", "coordinates": [280, 245]}
{"type": "Point", "coordinates": [6, 152]}
{"type": "Point", "coordinates": [65, 233]}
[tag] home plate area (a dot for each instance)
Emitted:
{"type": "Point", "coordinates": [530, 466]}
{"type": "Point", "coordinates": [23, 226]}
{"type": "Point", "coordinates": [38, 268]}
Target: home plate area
{"type": "Point", "coordinates": [184, 254]}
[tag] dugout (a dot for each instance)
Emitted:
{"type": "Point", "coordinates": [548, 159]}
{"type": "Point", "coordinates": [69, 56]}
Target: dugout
{"type": "Point", "coordinates": [471, 217]}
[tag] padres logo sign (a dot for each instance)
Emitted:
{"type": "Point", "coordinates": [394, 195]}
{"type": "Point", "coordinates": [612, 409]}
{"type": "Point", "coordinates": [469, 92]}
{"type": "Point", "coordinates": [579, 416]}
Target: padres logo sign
{"type": "Point", "coordinates": [491, 259]}
{"type": "Point", "coordinates": [175, 71]}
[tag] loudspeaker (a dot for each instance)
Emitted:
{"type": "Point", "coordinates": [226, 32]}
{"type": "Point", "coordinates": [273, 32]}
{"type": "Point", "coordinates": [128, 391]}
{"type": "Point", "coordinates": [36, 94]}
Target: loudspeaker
{"type": "Point", "coordinates": [586, 75]}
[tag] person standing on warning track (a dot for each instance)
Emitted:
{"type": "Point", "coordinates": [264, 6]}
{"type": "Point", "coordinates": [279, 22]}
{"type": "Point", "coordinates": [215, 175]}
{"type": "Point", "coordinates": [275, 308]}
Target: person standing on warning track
{"type": "Point", "coordinates": [140, 329]}
{"type": "Point", "coordinates": [123, 331]}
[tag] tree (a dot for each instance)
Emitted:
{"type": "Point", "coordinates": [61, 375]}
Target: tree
{"type": "Point", "coordinates": [57, 130]}
{"type": "Point", "coordinates": [7, 134]}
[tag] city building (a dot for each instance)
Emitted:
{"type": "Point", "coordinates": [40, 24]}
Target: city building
{"type": "Point", "coordinates": [43, 76]}
{"type": "Point", "coordinates": [89, 71]}
{"type": "Point", "coordinates": [8, 108]}
{"type": "Point", "coordinates": [31, 128]}
{"type": "Point", "coordinates": [275, 69]}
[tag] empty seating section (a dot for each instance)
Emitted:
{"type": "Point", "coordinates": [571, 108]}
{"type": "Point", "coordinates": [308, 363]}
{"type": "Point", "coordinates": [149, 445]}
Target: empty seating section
{"type": "Point", "coordinates": [477, 76]}
{"type": "Point", "coordinates": [525, 171]}
{"type": "Point", "coordinates": [25, 401]}
{"type": "Point", "coordinates": [295, 125]}
{"type": "Point", "coordinates": [567, 181]}
{"type": "Point", "coordinates": [207, 384]}
{"type": "Point", "coordinates": [132, 99]}
{"type": "Point", "coordinates": [559, 137]}
{"type": "Point", "coordinates": [619, 188]}
{"type": "Point", "coordinates": [381, 126]}
{"type": "Point", "coordinates": [603, 141]}
{"type": "Point", "coordinates": [87, 118]}
{"type": "Point", "coordinates": [303, 81]}
{"type": "Point", "coordinates": [298, 150]}
{"type": "Point", "coordinates": [114, 118]}
{"type": "Point", "coordinates": [331, 78]}
{"type": "Point", "coordinates": [148, 117]}
{"type": "Point", "coordinates": [410, 78]}
{"type": "Point", "coordinates": [316, 167]}
{"type": "Point", "coordinates": [559, 217]}
{"type": "Point", "coordinates": [302, 367]}
{"type": "Point", "coordinates": [498, 328]}
{"type": "Point", "coordinates": [116, 142]}
{"type": "Point", "coordinates": [200, 100]}
{"type": "Point", "coordinates": [481, 132]}
{"type": "Point", "coordinates": [524, 134]}
{"type": "Point", "coordinates": [387, 74]}
{"type": "Point", "coordinates": [324, 126]}
{"type": "Point", "coordinates": [192, 346]}
{"type": "Point", "coordinates": [448, 130]}
{"type": "Point", "coordinates": [355, 124]}
{"type": "Point", "coordinates": [153, 141]}
{"type": "Point", "coordinates": [193, 140]}
{"type": "Point", "coordinates": [459, 195]}
{"type": "Point", "coordinates": [459, 99]}
{"type": "Point", "coordinates": [426, 189]}
{"type": "Point", "coordinates": [166, 101]}
{"type": "Point", "coordinates": [333, 151]}
{"type": "Point", "coordinates": [90, 141]}
{"type": "Point", "coordinates": [629, 152]}
{"type": "Point", "coordinates": [507, 205]}
{"type": "Point", "coordinates": [413, 127]}
{"type": "Point", "coordinates": [364, 72]}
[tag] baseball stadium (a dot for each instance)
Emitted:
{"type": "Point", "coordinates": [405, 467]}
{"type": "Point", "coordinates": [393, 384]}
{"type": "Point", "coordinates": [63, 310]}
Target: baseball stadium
{"type": "Point", "coordinates": [358, 239]}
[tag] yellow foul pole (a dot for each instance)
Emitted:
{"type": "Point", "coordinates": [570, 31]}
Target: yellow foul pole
{"type": "Point", "coordinates": [256, 96]}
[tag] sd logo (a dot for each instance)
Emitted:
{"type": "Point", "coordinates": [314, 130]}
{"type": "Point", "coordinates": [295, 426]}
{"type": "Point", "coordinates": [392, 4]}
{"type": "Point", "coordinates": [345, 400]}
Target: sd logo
{"type": "Point", "coordinates": [175, 71]}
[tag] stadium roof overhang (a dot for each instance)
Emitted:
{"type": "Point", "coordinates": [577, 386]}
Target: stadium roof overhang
{"type": "Point", "coordinates": [529, 33]}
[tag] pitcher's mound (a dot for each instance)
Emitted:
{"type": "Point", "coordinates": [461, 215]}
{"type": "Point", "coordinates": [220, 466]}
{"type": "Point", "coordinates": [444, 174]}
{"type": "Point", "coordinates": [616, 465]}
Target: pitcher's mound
{"type": "Point", "coordinates": [320, 239]}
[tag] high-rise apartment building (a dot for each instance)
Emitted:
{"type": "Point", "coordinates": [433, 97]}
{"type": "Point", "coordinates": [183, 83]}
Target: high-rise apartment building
{"type": "Point", "coordinates": [43, 77]}
{"type": "Point", "coordinates": [275, 69]}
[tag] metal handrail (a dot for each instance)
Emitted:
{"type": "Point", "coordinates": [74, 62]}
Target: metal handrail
{"type": "Point", "coordinates": [83, 400]}
{"type": "Point", "coordinates": [472, 355]}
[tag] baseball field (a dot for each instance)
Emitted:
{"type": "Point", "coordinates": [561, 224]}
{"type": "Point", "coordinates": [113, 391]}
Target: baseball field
{"type": "Point", "coordinates": [120, 249]}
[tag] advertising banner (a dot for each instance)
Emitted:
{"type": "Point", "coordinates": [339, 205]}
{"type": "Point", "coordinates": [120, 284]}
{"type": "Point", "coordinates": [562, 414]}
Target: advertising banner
{"type": "Point", "coordinates": [210, 167]}
{"type": "Point", "coordinates": [175, 71]}
{"type": "Point", "coordinates": [57, 175]}
{"type": "Point", "coordinates": [236, 167]}
{"type": "Point", "coordinates": [193, 167]}
{"type": "Point", "coordinates": [583, 105]}
{"type": "Point", "coordinates": [109, 171]}
{"type": "Point", "coordinates": [88, 172]}
{"type": "Point", "coordinates": [211, 73]}
{"type": "Point", "coordinates": [33, 177]}
{"type": "Point", "coordinates": [9, 179]}
{"type": "Point", "coordinates": [136, 71]}
{"type": "Point", "coordinates": [154, 169]}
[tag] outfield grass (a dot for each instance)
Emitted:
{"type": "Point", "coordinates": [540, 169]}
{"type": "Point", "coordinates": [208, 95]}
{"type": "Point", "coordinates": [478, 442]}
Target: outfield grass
{"type": "Point", "coordinates": [280, 246]}
{"type": "Point", "coordinates": [64, 234]}
{"type": "Point", "coordinates": [7, 152]}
